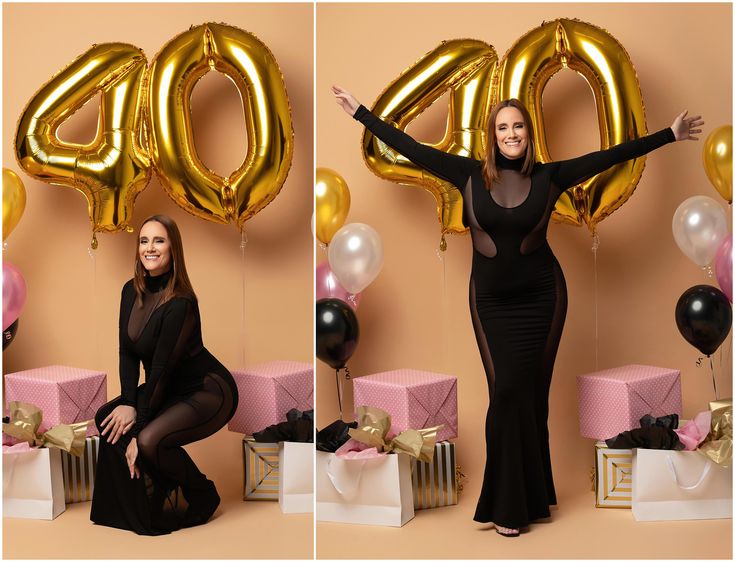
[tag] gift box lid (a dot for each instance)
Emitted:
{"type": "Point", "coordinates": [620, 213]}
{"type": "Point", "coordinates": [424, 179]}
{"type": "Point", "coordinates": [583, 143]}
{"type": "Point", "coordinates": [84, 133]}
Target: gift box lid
{"type": "Point", "coordinates": [406, 378]}
{"type": "Point", "coordinates": [275, 369]}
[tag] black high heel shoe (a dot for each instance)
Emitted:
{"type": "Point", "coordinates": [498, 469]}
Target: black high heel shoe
{"type": "Point", "coordinates": [202, 505]}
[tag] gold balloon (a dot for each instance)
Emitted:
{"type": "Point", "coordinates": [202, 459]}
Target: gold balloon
{"type": "Point", "coordinates": [592, 52]}
{"type": "Point", "coordinates": [717, 158]}
{"type": "Point", "coordinates": [14, 201]}
{"type": "Point", "coordinates": [462, 66]}
{"type": "Point", "coordinates": [332, 203]}
{"type": "Point", "coordinates": [254, 71]}
{"type": "Point", "coordinates": [111, 170]}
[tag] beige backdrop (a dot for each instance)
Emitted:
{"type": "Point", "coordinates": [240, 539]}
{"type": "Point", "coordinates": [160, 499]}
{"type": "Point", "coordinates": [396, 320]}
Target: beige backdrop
{"type": "Point", "coordinates": [411, 317]}
{"type": "Point", "coordinates": [73, 296]}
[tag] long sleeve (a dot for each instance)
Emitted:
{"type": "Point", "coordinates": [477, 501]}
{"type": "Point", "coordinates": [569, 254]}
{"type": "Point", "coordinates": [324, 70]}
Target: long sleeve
{"type": "Point", "coordinates": [567, 173]}
{"type": "Point", "coordinates": [129, 365]}
{"type": "Point", "coordinates": [450, 167]}
{"type": "Point", "coordinates": [176, 328]}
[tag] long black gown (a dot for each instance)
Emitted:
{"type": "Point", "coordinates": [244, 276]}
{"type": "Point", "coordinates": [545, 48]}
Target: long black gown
{"type": "Point", "coordinates": [188, 395]}
{"type": "Point", "coordinates": [518, 303]}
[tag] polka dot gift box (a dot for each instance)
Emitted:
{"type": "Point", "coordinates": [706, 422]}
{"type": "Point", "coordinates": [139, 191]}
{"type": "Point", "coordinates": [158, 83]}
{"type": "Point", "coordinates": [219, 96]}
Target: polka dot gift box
{"type": "Point", "coordinates": [414, 399]}
{"type": "Point", "coordinates": [614, 400]}
{"type": "Point", "coordinates": [269, 390]}
{"type": "Point", "coordinates": [63, 394]}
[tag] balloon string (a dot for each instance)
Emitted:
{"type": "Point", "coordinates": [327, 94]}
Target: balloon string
{"type": "Point", "coordinates": [339, 393]}
{"type": "Point", "coordinates": [712, 369]}
{"type": "Point", "coordinates": [243, 243]}
{"type": "Point", "coordinates": [93, 262]}
{"type": "Point", "coordinates": [444, 319]}
{"type": "Point", "coordinates": [595, 246]}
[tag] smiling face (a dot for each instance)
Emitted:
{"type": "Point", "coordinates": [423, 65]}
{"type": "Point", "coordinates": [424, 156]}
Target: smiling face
{"type": "Point", "coordinates": [511, 133]}
{"type": "Point", "coordinates": [154, 248]}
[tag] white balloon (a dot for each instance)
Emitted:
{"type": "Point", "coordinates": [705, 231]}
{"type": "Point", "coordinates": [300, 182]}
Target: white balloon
{"type": "Point", "coordinates": [356, 256]}
{"type": "Point", "coordinates": [700, 226]}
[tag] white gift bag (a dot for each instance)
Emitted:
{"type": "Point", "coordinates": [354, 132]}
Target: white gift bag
{"type": "Point", "coordinates": [676, 485]}
{"type": "Point", "coordinates": [296, 478]}
{"type": "Point", "coordinates": [33, 484]}
{"type": "Point", "coordinates": [370, 492]}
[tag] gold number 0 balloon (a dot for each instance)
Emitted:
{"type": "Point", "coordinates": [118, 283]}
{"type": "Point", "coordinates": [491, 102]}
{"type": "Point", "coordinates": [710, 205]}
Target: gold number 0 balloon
{"type": "Point", "coordinates": [592, 52]}
{"type": "Point", "coordinates": [463, 66]}
{"type": "Point", "coordinates": [253, 68]}
{"type": "Point", "coordinates": [468, 67]}
{"type": "Point", "coordinates": [113, 168]}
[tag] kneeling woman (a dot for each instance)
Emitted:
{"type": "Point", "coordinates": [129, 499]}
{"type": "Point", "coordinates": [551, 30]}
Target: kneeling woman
{"type": "Point", "coordinates": [187, 395]}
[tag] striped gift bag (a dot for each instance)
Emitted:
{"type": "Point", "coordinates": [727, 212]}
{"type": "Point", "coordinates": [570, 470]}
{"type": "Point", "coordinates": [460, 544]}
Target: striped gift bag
{"type": "Point", "coordinates": [79, 472]}
{"type": "Point", "coordinates": [435, 483]}
{"type": "Point", "coordinates": [261, 470]}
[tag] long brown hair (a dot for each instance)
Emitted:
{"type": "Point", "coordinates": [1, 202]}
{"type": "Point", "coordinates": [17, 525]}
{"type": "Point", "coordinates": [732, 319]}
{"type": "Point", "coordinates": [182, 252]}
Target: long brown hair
{"type": "Point", "coordinates": [489, 167]}
{"type": "Point", "coordinates": [179, 284]}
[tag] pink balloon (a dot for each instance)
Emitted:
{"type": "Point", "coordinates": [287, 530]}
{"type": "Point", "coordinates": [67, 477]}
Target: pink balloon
{"type": "Point", "coordinates": [14, 294]}
{"type": "Point", "coordinates": [328, 287]}
{"type": "Point", "coordinates": [723, 266]}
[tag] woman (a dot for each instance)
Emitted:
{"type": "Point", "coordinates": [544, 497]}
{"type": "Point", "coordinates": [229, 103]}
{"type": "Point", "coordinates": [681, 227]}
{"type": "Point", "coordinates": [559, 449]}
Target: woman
{"type": "Point", "coordinates": [518, 296]}
{"type": "Point", "coordinates": [188, 395]}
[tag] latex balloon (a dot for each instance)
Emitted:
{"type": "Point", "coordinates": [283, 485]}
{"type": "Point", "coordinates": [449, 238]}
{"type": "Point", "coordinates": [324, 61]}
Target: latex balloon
{"type": "Point", "coordinates": [328, 286]}
{"type": "Point", "coordinates": [464, 68]}
{"type": "Point", "coordinates": [704, 316]}
{"type": "Point", "coordinates": [356, 256]}
{"type": "Point", "coordinates": [700, 226]}
{"type": "Point", "coordinates": [254, 70]}
{"type": "Point", "coordinates": [114, 168]}
{"type": "Point", "coordinates": [14, 201]}
{"type": "Point", "coordinates": [9, 334]}
{"type": "Point", "coordinates": [723, 266]}
{"type": "Point", "coordinates": [602, 61]}
{"type": "Point", "coordinates": [14, 294]}
{"type": "Point", "coordinates": [717, 159]}
{"type": "Point", "coordinates": [337, 332]}
{"type": "Point", "coordinates": [332, 203]}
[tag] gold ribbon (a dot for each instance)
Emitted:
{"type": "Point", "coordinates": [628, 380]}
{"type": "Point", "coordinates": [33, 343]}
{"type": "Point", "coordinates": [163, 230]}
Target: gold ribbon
{"type": "Point", "coordinates": [460, 477]}
{"type": "Point", "coordinates": [718, 443]}
{"type": "Point", "coordinates": [373, 425]}
{"type": "Point", "coordinates": [25, 419]}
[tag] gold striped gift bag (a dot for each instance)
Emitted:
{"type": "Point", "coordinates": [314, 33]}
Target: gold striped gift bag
{"type": "Point", "coordinates": [261, 470]}
{"type": "Point", "coordinates": [79, 472]}
{"type": "Point", "coordinates": [613, 476]}
{"type": "Point", "coordinates": [435, 483]}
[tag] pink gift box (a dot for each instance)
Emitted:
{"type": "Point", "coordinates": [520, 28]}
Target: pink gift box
{"type": "Point", "coordinates": [269, 390]}
{"type": "Point", "coordinates": [414, 399]}
{"type": "Point", "coordinates": [63, 394]}
{"type": "Point", "coordinates": [614, 400]}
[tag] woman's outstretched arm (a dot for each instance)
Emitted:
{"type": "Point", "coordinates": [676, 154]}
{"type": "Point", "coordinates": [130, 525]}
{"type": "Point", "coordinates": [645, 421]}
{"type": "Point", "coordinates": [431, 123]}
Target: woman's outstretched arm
{"type": "Point", "coordinates": [568, 173]}
{"type": "Point", "coordinates": [450, 167]}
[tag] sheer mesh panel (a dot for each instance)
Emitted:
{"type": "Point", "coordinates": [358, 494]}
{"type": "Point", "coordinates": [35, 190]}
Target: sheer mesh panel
{"type": "Point", "coordinates": [481, 240]}
{"type": "Point", "coordinates": [536, 238]}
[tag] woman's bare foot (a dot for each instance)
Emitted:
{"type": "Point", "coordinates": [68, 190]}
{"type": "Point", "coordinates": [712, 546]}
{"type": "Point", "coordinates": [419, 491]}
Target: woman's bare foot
{"type": "Point", "coordinates": [507, 531]}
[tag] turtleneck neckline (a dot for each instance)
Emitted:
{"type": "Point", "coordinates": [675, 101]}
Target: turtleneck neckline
{"type": "Point", "coordinates": [508, 164]}
{"type": "Point", "coordinates": [157, 283]}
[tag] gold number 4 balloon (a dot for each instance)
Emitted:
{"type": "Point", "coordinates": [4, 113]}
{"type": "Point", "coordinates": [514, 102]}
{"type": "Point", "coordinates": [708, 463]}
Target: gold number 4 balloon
{"type": "Point", "coordinates": [113, 169]}
{"type": "Point", "coordinates": [469, 69]}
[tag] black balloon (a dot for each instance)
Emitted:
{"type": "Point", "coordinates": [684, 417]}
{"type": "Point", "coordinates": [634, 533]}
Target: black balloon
{"type": "Point", "coordinates": [337, 332]}
{"type": "Point", "coordinates": [704, 316]}
{"type": "Point", "coordinates": [9, 334]}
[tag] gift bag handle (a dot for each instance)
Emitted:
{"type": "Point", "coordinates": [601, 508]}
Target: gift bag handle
{"type": "Point", "coordinates": [672, 469]}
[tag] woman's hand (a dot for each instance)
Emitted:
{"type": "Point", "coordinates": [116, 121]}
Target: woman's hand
{"type": "Point", "coordinates": [131, 454]}
{"type": "Point", "coordinates": [346, 100]}
{"type": "Point", "coordinates": [118, 423]}
{"type": "Point", "coordinates": [685, 127]}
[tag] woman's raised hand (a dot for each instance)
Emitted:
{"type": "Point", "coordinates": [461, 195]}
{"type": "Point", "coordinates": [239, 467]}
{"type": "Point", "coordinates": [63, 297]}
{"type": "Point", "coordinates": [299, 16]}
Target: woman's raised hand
{"type": "Point", "coordinates": [686, 127]}
{"type": "Point", "coordinates": [120, 420]}
{"type": "Point", "coordinates": [346, 100]}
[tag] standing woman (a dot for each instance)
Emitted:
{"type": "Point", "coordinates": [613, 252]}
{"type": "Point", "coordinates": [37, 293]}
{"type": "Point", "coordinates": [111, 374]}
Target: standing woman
{"type": "Point", "coordinates": [517, 293]}
{"type": "Point", "coordinates": [187, 395]}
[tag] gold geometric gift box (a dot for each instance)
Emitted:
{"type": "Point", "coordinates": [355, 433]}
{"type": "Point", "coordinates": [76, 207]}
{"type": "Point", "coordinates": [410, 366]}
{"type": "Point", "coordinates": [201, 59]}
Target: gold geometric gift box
{"type": "Point", "coordinates": [435, 484]}
{"type": "Point", "coordinates": [79, 472]}
{"type": "Point", "coordinates": [613, 476]}
{"type": "Point", "coordinates": [261, 470]}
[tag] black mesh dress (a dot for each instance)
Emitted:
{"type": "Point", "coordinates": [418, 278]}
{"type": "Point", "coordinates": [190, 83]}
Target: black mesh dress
{"type": "Point", "coordinates": [518, 303]}
{"type": "Point", "coordinates": [188, 395]}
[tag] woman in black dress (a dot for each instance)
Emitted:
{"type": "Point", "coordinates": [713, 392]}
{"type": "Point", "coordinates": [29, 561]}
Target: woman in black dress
{"type": "Point", "coordinates": [517, 292]}
{"type": "Point", "coordinates": [187, 395]}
